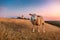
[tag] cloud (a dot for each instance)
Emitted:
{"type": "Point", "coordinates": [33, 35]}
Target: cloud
{"type": "Point", "coordinates": [51, 11]}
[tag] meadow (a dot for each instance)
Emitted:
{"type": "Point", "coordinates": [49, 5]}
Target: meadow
{"type": "Point", "coordinates": [16, 29]}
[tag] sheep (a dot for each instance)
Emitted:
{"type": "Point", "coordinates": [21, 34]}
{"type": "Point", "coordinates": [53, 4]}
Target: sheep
{"type": "Point", "coordinates": [37, 20]}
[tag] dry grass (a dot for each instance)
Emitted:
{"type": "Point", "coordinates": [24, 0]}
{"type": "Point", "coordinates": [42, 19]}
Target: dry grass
{"type": "Point", "coordinates": [15, 29]}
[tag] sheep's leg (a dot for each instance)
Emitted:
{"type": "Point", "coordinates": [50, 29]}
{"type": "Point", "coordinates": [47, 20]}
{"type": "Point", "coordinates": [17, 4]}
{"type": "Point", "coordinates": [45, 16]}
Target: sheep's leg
{"type": "Point", "coordinates": [38, 29]}
{"type": "Point", "coordinates": [44, 30]}
{"type": "Point", "coordinates": [43, 27]}
{"type": "Point", "coordinates": [33, 29]}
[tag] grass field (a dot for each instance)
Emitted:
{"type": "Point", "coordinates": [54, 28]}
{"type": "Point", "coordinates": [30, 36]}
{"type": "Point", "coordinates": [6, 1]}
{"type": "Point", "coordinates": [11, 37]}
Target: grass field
{"type": "Point", "coordinates": [18, 29]}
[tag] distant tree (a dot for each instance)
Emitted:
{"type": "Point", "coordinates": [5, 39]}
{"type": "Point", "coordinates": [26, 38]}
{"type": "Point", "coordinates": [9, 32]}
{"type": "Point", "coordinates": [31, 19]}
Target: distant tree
{"type": "Point", "coordinates": [18, 17]}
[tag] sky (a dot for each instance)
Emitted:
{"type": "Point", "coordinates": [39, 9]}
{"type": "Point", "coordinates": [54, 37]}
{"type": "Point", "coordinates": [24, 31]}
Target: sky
{"type": "Point", "coordinates": [49, 9]}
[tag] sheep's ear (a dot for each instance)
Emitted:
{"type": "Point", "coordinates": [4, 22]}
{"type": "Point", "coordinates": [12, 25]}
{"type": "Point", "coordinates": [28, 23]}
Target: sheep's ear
{"type": "Point", "coordinates": [30, 14]}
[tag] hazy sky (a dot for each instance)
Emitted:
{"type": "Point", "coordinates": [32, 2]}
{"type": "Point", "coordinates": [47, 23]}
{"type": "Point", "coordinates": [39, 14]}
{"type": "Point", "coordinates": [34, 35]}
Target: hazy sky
{"type": "Point", "coordinates": [49, 9]}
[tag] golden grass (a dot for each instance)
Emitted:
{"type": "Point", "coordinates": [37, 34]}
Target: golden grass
{"type": "Point", "coordinates": [15, 29]}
